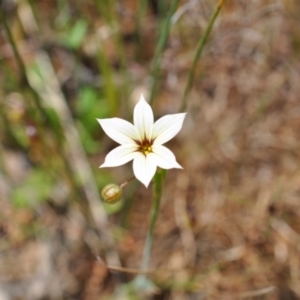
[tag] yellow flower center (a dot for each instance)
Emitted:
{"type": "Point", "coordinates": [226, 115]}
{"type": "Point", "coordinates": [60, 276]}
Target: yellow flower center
{"type": "Point", "coordinates": [145, 146]}
{"type": "Point", "coordinates": [146, 149]}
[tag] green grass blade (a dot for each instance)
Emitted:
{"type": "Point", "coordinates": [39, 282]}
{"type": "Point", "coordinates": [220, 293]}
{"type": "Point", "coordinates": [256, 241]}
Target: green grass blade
{"type": "Point", "coordinates": [198, 53]}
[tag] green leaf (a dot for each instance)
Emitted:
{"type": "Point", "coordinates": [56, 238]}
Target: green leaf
{"type": "Point", "coordinates": [77, 34]}
{"type": "Point", "coordinates": [35, 189]}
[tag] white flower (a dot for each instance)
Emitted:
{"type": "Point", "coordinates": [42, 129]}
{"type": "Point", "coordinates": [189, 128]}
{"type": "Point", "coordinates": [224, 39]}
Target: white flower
{"type": "Point", "coordinates": [142, 141]}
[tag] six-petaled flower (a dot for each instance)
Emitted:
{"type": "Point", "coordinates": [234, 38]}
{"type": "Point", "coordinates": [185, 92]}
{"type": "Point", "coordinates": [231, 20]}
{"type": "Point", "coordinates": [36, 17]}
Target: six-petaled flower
{"type": "Point", "coordinates": [143, 141]}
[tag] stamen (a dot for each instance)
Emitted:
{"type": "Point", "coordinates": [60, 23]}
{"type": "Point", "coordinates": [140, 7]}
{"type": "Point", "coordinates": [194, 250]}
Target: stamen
{"type": "Point", "coordinates": [145, 147]}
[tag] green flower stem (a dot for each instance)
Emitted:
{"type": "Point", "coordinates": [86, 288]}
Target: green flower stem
{"type": "Point", "coordinates": [199, 50]}
{"type": "Point", "coordinates": [159, 50]}
{"type": "Point", "coordinates": [157, 192]}
{"type": "Point", "coordinates": [141, 282]}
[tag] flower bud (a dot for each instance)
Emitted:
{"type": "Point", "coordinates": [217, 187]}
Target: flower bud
{"type": "Point", "coordinates": [111, 193]}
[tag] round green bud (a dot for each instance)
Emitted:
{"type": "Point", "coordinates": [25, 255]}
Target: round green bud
{"type": "Point", "coordinates": [111, 193]}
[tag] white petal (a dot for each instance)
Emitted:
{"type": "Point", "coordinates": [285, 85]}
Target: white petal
{"type": "Point", "coordinates": [119, 130]}
{"type": "Point", "coordinates": [143, 118]}
{"type": "Point", "coordinates": [120, 156]}
{"type": "Point", "coordinates": [163, 157]}
{"type": "Point", "coordinates": [167, 127]}
{"type": "Point", "coordinates": [144, 169]}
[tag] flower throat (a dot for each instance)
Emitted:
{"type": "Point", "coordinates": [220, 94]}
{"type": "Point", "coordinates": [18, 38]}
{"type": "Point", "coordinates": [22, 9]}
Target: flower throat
{"type": "Point", "coordinates": [145, 147]}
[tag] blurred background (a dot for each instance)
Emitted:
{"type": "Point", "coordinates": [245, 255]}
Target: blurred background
{"type": "Point", "coordinates": [229, 223]}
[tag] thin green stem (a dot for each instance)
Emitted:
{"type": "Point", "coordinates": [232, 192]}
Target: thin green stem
{"type": "Point", "coordinates": [141, 281]}
{"type": "Point", "coordinates": [159, 50]}
{"type": "Point", "coordinates": [199, 50]}
{"type": "Point", "coordinates": [157, 192]}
